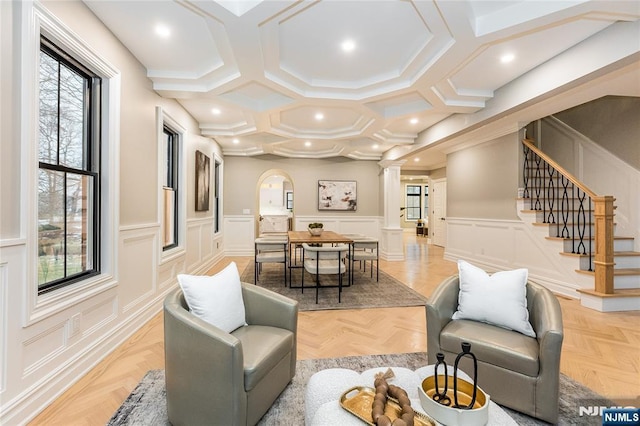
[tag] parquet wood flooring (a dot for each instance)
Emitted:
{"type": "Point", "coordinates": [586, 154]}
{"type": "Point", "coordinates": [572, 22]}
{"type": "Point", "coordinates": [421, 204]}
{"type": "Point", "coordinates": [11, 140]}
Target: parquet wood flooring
{"type": "Point", "coordinates": [600, 350]}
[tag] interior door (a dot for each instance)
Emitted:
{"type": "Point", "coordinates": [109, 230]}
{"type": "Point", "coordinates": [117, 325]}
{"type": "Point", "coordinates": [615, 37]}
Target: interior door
{"type": "Point", "coordinates": [439, 212]}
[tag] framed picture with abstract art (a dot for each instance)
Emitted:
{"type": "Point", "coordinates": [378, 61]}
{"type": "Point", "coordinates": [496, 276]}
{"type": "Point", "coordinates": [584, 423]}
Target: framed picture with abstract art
{"type": "Point", "coordinates": [337, 195]}
{"type": "Point", "coordinates": [202, 182]}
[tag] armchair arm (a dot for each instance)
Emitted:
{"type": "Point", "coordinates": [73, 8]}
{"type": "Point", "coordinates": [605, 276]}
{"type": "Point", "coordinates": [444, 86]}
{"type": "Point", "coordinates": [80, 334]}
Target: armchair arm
{"type": "Point", "coordinates": [546, 320]}
{"type": "Point", "coordinates": [264, 307]}
{"type": "Point", "coordinates": [440, 307]}
{"type": "Point", "coordinates": [201, 359]}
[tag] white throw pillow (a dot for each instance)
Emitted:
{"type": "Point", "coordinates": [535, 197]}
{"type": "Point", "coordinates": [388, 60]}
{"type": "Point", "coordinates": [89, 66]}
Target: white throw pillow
{"type": "Point", "coordinates": [499, 299]}
{"type": "Point", "coordinates": [216, 299]}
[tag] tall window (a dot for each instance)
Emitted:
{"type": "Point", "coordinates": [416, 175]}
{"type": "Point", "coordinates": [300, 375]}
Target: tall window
{"type": "Point", "coordinates": [425, 203]}
{"type": "Point", "coordinates": [170, 188]}
{"type": "Point", "coordinates": [413, 202]}
{"type": "Point", "coordinates": [69, 170]}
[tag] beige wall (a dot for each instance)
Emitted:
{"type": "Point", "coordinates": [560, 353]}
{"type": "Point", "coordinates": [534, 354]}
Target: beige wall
{"type": "Point", "coordinates": [612, 122]}
{"type": "Point", "coordinates": [241, 176]}
{"type": "Point", "coordinates": [482, 181]}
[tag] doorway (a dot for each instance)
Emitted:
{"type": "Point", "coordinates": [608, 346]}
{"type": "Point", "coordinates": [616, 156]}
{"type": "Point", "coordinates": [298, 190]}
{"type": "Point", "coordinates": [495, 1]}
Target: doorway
{"type": "Point", "coordinates": [439, 212]}
{"type": "Point", "coordinates": [275, 201]}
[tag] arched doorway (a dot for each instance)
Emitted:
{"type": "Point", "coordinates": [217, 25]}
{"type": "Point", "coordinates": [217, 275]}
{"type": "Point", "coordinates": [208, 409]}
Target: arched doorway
{"type": "Point", "coordinates": [274, 201]}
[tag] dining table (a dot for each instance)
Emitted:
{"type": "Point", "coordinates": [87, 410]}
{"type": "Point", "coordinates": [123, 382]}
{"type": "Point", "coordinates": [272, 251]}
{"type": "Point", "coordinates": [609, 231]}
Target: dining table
{"type": "Point", "coordinates": [297, 238]}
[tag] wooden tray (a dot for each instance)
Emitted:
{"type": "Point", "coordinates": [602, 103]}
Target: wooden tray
{"type": "Point", "coordinates": [359, 399]}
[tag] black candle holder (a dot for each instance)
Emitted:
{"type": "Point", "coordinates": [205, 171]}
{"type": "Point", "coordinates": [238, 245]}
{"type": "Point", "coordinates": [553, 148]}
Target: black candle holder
{"type": "Point", "coordinates": [442, 397]}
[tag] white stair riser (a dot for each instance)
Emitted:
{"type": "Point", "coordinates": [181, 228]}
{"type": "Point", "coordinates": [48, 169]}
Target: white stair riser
{"type": "Point", "coordinates": [627, 262]}
{"type": "Point", "coordinates": [622, 262]}
{"type": "Point", "coordinates": [557, 231]}
{"type": "Point", "coordinates": [610, 304]}
{"type": "Point", "coordinates": [621, 282]}
{"type": "Point", "coordinates": [558, 204]}
{"type": "Point", "coordinates": [618, 245]}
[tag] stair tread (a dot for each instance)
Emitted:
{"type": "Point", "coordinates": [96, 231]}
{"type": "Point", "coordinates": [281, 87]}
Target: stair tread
{"type": "Point", "coordinates": [627, 292]}
{"type": "Point", "coordinates": [616, 272]}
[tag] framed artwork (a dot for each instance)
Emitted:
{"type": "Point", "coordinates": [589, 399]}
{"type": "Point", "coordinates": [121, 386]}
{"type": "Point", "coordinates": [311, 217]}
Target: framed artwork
{"type": "Point", "coordinates": [337, 195]}
{"type": "Point", "coordinates": [202, 182]}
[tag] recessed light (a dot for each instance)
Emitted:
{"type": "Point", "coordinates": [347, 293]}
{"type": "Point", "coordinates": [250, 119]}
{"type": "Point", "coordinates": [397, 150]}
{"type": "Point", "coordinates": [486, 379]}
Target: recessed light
{"type": "Point", "coordinates": [416, 159]}
{"type": "Point", "coordinates": [163, 31]}
{"type": "Point", "coordinates": [413, 121]}
{"type": "Point", "coordinates": [505, 59]}
{"type": "Point", "coordinates": [319, 116]}
{"type": "Point", "coordinates": [215, 111]}
{"type": "Point", "coordinates": [307, 143]}
{"type": "Point", "coordinates": [375, 146]}
{"type": "Point", "coordinates": [348, 45]}
{"type": "Point", "coordinates": [236, 141]}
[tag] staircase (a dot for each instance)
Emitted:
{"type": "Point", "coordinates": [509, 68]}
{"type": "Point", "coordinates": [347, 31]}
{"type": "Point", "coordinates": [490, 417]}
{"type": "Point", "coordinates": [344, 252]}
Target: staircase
{"type": "Point", "coordinates": [581, 225]}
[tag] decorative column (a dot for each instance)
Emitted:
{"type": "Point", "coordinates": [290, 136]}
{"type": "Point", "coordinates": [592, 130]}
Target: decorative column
{"type": "Point", "coordinates": [391, 245]}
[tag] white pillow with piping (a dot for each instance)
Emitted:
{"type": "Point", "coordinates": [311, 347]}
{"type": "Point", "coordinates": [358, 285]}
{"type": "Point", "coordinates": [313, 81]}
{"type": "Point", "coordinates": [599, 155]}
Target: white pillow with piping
{"type": "Point", "coordinates": [216, 299]}
{"type": "Point", "coordinates": [499, 299]}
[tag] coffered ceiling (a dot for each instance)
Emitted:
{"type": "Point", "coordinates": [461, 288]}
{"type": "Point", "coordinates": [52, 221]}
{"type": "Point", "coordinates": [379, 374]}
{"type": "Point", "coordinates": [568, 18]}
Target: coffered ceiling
{"type": "Point", "coordinates": [358, 79]}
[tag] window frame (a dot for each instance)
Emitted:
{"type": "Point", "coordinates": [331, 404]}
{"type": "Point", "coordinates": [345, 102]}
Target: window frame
{"type": "Point", "coordinates": [37, 20]}
{"type": "Point", "coordinates": [172, 178]}
{"type": "Point", "coordinates": [408, 208]}
{"type": "Point", "coordinates": [91, 160]}
{"type": "Point", "coordinates": [179, 249]}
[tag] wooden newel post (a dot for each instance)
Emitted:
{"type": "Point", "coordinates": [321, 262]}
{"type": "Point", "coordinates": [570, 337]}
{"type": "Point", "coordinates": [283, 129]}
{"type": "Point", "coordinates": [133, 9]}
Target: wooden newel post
{"type": "Point", "coordinates": [603, 259]}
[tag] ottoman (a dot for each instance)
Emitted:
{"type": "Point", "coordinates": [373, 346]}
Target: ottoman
{"type": "Point", "coordinates": [322, 395]}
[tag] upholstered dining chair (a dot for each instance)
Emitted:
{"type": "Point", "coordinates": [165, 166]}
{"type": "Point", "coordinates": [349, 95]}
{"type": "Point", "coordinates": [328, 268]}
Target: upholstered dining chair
{"type": "Point", "coordinates": [516, 370]}
{"type": "Point", "coordinates": [365, 249]}
{"type": "Point", "coordinates": [228, 378]}
{"type": "Point", "coordinates": [270, 249]}
{"type": "Point", "coordinates": [323, 260]}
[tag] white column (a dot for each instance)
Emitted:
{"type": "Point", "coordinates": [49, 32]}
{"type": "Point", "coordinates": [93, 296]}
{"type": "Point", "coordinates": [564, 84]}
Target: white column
{"type": "Point", "coordinates": [391, 245]}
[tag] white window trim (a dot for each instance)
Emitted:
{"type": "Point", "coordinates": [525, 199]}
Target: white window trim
{"type": "Point", "coordinates": [162, 118]}
{"type": "Point", "coordinates": [219, 160]}
{"type": "Point", "coordinates": [37, 21]}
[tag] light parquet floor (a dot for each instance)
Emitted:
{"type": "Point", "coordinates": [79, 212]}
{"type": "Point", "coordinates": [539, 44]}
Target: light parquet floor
{"type": "Point", "coordinates": [601, 351]}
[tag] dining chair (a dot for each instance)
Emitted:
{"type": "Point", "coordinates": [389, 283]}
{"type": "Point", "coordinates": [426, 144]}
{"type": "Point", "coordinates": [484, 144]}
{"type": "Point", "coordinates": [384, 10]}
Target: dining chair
{"type": "Point", "coordinates": [325, 260]}
{"type": "Point", "coordinates": [366, 249]}
{"type": "Point", "coordinates": [271, 249]}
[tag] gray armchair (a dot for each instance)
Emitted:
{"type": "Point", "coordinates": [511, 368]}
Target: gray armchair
{"type": "Point", "coordinates": [214, 377]}
{"type": "Point", "coordinates": [517, 371]}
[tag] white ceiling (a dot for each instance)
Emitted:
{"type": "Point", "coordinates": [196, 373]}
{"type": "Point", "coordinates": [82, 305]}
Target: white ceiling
{"type": "Point", "coordinates": [269, 67]}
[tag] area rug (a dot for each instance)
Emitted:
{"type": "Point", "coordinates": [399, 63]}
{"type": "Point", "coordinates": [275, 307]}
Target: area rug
{"type": "Point", "coordinates": [365, 292]}
{"type": "Point", "coordinates": [146, 405]}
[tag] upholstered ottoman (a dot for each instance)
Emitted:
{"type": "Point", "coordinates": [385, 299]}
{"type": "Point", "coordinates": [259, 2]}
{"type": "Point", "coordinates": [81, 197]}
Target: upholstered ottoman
{"type": "Point", "coordinates": [322, 406]}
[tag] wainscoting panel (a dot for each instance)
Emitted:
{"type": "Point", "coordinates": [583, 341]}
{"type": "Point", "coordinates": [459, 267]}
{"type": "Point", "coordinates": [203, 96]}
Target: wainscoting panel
{"type": "Point", "coordinates": [43, 347]}
{"type": "Point", "coordinates": [239, 235]}
{"type": "Point", "coordinates": [200, 244]}
{"type": "Point", "coordinates": [98, 315]}
{"type": "Point", "coordinates": [365, 225]}
{"type": "Point", "coordinates": [137, 247]}
{"type": "Point", "coordinates": [496, 245]}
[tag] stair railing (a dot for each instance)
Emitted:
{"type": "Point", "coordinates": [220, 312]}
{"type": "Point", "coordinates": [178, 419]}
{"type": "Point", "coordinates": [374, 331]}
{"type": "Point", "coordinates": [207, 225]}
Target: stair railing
{"type": "Point", "coordinates": [578, 213]}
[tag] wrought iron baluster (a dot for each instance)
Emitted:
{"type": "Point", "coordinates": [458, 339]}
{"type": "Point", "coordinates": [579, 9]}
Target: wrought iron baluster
{"type": "Point", "coordinates": [551, 218]}
{"type": "Point", "coordinates": [539, 183]}
{"type": "Point", "coordinates": [565, 208]}
{"type": "Point", "coordinates": [581, 227]}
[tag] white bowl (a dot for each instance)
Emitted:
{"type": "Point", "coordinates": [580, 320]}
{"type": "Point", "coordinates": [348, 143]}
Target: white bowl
{"type": "Point", "coordinates": [315, 231]}
{"type": "Point", "coordinates": [477, 416]}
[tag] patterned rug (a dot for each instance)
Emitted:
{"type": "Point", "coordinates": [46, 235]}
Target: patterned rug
{"type": "Point", "coordinates": [365, 292]}
{"type": "Point", "coordinates": [146, 406]}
